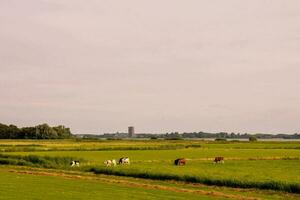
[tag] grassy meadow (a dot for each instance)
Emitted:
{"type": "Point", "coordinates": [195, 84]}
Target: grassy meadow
{"type": "Point", "coordinates": [55, 187]}
{"type": "Point", "coordinates": [259, 166]}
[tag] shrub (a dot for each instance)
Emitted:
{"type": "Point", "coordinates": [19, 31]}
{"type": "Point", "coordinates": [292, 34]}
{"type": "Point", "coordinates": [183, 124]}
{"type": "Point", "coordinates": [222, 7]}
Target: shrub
{"type": "Point", "coordinates": [252, 139]}
{"type": "Point", "coordinates": [220, 139]}
{"type": "Point", "coordinates": [174, 138]}
{"type": "Point", "coordinates": [193, 146]}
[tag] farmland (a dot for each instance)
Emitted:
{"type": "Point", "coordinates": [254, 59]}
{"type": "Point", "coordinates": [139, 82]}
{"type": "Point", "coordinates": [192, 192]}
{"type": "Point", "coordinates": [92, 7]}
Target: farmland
{"type": "Point", "coordinates": [50, 187]}
{"type": "Point", "coordinates": [254, 166]}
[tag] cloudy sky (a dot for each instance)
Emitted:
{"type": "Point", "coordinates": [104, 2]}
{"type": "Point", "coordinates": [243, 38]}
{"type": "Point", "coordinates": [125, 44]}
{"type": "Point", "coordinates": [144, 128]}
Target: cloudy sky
{"type": "Point", "coordinates": [161, 65]}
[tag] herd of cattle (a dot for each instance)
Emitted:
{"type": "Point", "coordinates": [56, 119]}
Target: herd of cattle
{"type": "Point", "coordinates": [125, 160]}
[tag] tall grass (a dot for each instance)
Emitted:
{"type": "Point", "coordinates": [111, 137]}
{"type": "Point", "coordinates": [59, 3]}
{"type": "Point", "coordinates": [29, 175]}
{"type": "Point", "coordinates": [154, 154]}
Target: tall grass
{"type": "Point", "coordinates": [36, 161]}
{"type": "Point", "coordinates": [272, 185]}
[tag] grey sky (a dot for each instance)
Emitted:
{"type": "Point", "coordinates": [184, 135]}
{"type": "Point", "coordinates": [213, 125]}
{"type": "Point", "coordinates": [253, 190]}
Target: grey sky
{"type": "Point", "coordinates": [161, 65]}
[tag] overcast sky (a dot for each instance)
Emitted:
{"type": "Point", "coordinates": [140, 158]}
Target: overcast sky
{"type": "Point", "coordinates": [162, 65]}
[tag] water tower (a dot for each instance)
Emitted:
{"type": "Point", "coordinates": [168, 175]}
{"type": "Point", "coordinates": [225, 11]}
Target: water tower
{"type": "Point", "coordinates": [131, 131]}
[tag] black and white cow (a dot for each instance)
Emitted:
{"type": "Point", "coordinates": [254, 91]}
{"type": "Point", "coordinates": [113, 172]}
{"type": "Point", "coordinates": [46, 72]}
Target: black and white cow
{"type": "Point", "coordinates": [124, 160]}
{"type": "Point", "coordinates": [110, 162]}
{"type": "Point", "coordinates": [74, 163]}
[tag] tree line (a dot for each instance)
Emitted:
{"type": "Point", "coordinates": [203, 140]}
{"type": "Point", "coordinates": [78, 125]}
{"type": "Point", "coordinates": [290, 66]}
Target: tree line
{"type": "Point", "coordinates": [177, 135]}
{"type": "Point", "coordinates": [42, 131]}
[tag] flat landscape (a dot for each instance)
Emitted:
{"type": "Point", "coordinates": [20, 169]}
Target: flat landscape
{"type": "Point", "coordinates": [149, 100]}
{"type": "Point", "coordinates": [251, 170]}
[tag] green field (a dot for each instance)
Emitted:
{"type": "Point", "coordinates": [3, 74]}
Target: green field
{"type": "Point", "coordinates": [170, 155]}
{"type": "Point", "coordinates": [24, 187]}
{"type": "Point", "coordinates": [258, 165]}
{"type": "Point", "coordinates": [88, 145]}
{"type": "Point", "coordinates": [34, 183]}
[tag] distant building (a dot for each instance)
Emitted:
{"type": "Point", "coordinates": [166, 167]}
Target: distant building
{"type": "Point", "coordinates": [130, 131]}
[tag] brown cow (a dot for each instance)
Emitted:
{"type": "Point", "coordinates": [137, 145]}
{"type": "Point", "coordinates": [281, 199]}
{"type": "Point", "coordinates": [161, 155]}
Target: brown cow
{"type": "Point", "coordinates": [219, 160]}
{"type": "Point", "coordinates": [180, 161]}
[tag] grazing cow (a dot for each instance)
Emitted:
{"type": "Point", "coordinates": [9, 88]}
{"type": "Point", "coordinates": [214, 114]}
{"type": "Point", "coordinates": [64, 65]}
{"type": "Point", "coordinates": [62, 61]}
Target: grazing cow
{"type": "Point", "coordinates": [124, 160]}
{"type": "Point", "coordinates": [74, 163]}
{"type": "Point", "coordinates": [180, 161]}
{"type": "Point", "coordinates": [219, 160]}
{"type": "Point", "coordinates": [114, 162]}
{"type": "Point", "coordinates": [110, 162]}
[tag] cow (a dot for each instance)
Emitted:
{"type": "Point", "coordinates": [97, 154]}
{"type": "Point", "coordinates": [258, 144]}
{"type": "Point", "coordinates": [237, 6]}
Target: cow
{"type": "Point", "coordinates": [110, 162]}
{"type": "Point", "coordinates": [180, 161]}
{"type": "Point", "coordinates": [74, 163]}
{"type": "Point", "coordinates": [219, 160]}
{"type": "Point", "coordinates": [124, 160]}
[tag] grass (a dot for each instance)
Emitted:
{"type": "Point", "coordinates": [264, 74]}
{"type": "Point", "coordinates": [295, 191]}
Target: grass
{"type": "Point", "coordinates": [36, 161]}
{"type": "Point", "coordinates": [242, 174]}
{"type": "Point", "coordinates": [253, 145]}
{"type": "Point", "coordinates": [47, 187]}
{"type": "Point", "coordinates": [169, 155]}
{"type": "Point", "coordinates": [90, 145]}
{"type": "Point", "coordinates": [201, 191]}
{"type": "Point", "coordinates": [264, 174]}
{"type": "Point", "coordinates": [259, 165]}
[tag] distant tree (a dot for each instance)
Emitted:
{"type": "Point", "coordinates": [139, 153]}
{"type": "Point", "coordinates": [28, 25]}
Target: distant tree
{"type": "Point", "coordinates": [4, 131]}
{"type": "Point", "coordinates": [222, 135]}
{"type": "Point", "coordinates": [29, 132]}
{"type": "Point", "coordinates": [44, 131]}
{"type": "Point", "coordinates": [252, 139]}
{"type": "Point", "coordinates": [232, 135]}
{"type": "Point", "coordinates": [62, 131]}
{"type": "Point", "coordinates": [14, 132]}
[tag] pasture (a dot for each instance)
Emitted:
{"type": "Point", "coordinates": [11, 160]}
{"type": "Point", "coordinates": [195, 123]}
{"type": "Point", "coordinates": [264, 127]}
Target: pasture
{"type": "Point", "coordinates": [56, 187]}
{"type": "Point", "coordinates": [258, 165]}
